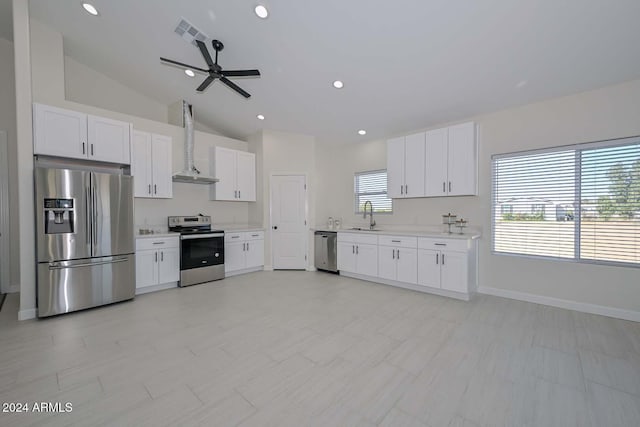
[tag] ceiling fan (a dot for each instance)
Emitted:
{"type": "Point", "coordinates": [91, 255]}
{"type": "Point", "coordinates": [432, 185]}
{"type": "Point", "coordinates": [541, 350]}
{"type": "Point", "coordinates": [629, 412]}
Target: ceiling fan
{"type": "Point", "coordinates": [215, 71]}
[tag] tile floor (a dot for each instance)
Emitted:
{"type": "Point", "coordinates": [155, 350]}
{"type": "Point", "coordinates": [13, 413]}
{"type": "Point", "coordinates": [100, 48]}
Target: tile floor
{"type": "Point", "coordinates": [298, 348]}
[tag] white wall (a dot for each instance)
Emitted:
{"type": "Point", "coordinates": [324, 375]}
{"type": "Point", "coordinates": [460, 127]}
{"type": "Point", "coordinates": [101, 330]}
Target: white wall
{"type": "Point", "coordinates": [607, 113]}
{"type": "Point", "coordinates": [85, 85]}
{"type": "Point", "coordinates": [8, 124]}
{"type": "Point", "coordinates": [281, 153]}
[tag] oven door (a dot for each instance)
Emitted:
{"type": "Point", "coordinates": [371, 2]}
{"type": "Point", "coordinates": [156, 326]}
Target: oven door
{"type": "Point", "coordinates": [201, 250]}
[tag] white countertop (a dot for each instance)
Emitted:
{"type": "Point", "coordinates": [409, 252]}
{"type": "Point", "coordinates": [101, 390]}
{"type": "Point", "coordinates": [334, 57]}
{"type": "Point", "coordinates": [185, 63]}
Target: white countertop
{"type": "Point", "coordinates": [408, 232]}
{"type": "Point", "coordinates": [237, 227]}
{"type": "Point", "coordinates": [156, 235]}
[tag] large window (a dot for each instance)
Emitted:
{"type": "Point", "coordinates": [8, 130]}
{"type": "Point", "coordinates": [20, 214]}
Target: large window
{"type": "Point", "coordinates": [579, 202]}
{"type": "Point", "coordinates": [372, 186]}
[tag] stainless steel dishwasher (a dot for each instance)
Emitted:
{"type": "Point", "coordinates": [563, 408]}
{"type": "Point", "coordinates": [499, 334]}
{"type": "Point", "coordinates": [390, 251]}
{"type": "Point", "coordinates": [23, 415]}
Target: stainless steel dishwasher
{"type": "Point", "coordinates": [326, 249]}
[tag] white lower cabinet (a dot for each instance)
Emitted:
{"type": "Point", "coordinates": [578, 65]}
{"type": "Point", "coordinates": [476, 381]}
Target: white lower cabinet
{"type": "Point", "coordinates": [243, 252]}
{"type": "Point", "coordinates": [447, 264]}
{"type": "Point", "coordinates": [157, 263]}
{"type": "Point", "coordinates": [398, 258]}
{"type": "Point", "coordinates": [358, 254]}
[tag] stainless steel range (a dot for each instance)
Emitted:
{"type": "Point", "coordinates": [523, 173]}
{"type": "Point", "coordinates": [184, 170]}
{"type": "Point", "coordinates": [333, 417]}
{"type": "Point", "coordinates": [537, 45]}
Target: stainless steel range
{"type": "Point", "coordinates": [201, 249]}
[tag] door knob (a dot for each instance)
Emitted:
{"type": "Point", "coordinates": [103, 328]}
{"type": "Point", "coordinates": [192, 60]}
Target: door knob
{"type": "Point", "coordinates": [275, 227]}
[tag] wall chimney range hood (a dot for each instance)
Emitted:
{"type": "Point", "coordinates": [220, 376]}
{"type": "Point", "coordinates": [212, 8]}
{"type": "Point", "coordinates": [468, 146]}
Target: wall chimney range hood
{"type": "Point", "coordinates": [190, 174]}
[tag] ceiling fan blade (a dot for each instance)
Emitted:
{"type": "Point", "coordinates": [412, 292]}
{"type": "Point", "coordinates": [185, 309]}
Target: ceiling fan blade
{"type": "Point", "coordinates": [241, 73]}
{"type": "Point", "coordinates": [191, 67]}
{"type": "Point", "coordinates": [235, 87]}
{"type": "Point", "coordinates": [205, 84]}
{"type": "Point", "coordinates": [205, 53]}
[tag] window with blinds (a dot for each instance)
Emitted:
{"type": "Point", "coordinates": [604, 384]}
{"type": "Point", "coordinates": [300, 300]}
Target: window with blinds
{"type": "Point", "coordinates": [578, 202]}
{"type": "Point", "coordinates": [372, 186]}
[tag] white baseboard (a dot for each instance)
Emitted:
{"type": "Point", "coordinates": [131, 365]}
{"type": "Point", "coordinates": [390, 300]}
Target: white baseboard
{"type": "Point", "coordinates": [27, 314]}
{"type": "Point", "coordinates": [312, 268]}
{"type": "Point", "coordinates": [602, 310]}
{"type": "Point", "coordinates": [154, 288]}
{"type": "Point", "coordinates": [14, 289]}
{"type": "Point", "coordinates": [243, 271]}
{"type": "Point", "coordinates": [268, 268]}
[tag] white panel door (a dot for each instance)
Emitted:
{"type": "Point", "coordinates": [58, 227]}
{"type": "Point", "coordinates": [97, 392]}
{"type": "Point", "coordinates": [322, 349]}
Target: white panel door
{"type": "Point", "coordinates": [108, 140]}
{"type": "Point", "coordinates": [4, 214]}
{"type": "Point", "coordinates": [395, 168]}
{"type": "Point", "coordinates": [288, 222]}
{"type": "Point", "coordinates": [161, 148]}
{"type": "Point", "coordinates": [224, 168]}
{"type": "Point", "coordinates": [347, 257]}
{"type": "Point", "coordinates": [141, 164]}
{"type": "Point", "coordinates": [429, 268]}
{"type": "Point", "coordinates": [234, 256]}
{"type": "Point", "coordinates": [367, 260]}
{"type": "Point", "coordinates": [246, 176]}
{"type": "Point", "coordinates": [436, 162]}
{"type": "Point", "coordinates": [414, 165]}
{"type": "Point", "coordinates": [462, 160]}
{"type": "Point", "coordinates": [146, 268]}
{"type": "Point", "coordinates": [59, 132]}
{"type": "Point", "coordinates": [407, 265]}
{"type": "Point", "coordinates": [454, 271]}
{"type": "Point", "coordinates": [169, 265]}
{"type": "Point", "coordinates": [387, 262]}
{"type": "Point", "coordinates": [254, 253]}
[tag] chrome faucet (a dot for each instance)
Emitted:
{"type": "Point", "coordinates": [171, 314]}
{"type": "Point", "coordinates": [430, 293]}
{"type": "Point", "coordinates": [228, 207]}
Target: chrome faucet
{"type": "Point", "coordinates": [372, 223]}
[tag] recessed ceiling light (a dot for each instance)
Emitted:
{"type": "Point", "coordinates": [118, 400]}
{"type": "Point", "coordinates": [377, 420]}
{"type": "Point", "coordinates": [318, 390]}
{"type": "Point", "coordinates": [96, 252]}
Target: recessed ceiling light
{"type": "Point", "coordinates": [91, 9]}
{"type": "Point", "coordinates": [261, 11]}
{"type": "Point", "coordinates": [522, 84]}
{"type": "Point", "coordinates": [189, 73]}
{"type": "Point", "coordinates": [260, 117]}
{"type": "Point", "coordinates": [362, 132]}
{"type": "Point", "coordinates": [338, 84]}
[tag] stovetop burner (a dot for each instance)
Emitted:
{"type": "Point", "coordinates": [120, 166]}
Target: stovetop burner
{"type": "Point", "coordinates": [191, 224]}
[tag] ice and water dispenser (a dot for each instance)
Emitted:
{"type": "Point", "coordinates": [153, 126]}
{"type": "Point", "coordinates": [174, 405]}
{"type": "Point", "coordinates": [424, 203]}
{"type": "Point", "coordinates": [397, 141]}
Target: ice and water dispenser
{"type": "Point", "coordinates": [59, 217]}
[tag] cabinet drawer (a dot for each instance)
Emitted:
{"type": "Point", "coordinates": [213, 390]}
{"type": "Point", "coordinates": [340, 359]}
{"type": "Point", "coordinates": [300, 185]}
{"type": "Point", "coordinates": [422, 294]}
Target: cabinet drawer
{"type": "Point", "coordinates": [398, 241]}
{"type": "Point", "coordinates": [347, 237]}
{"type": "Point", "coordinates": [234, 237]}
{"type": "Point", "coordinates": [443, 244]}
{"type": "Point", "coordinates": [157, 243]}
{"type": "Point", "coordinates": [364, 238]}
{"type": "Point", "coordinates": [254, 235]}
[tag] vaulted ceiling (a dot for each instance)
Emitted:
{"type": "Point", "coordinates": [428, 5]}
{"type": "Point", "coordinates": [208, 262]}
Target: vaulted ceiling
{"type": "Point", "coordinates": [406, 64]}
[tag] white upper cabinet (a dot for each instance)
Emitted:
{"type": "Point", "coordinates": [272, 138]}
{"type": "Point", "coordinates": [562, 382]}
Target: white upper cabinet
{"type": "Point", "coordinates": [151, 165]}
{"type": "Point", "coordinates": [462, 160]}
{"type": "Point", "coordinates": [451, 161]}
{"type": "Point", "coordinates": [440, 162]}
{"type": "Point", "coordinates": [405, 166]}
{"type": "Point", "coordinates": [236, 171]}
{"type": "Point", "coordinates": [108, 140]}
{"type": "Point", "coordinates": [71, 134]}
{"type": "Point", "coordinates": [59, 132]}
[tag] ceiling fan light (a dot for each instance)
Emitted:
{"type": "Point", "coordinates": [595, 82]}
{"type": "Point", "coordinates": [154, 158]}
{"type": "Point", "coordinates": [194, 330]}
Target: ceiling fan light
{"type": "Point", "coordinates": [338, 84]}
{"type": "Point", "coordinates": [362, 132]}
{"type": "Point", "coordinates": [260, 117]}
{"type": "Point", "coordinates": [261, 11]}
{"type": "Point", "coordinates": [91, 9]}
{"type": "Point", "coordinates": [189, 73]}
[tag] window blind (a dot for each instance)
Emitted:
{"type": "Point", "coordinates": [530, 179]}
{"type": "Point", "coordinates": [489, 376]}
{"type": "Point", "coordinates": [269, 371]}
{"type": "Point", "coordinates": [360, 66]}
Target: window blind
{"type": "Point", "coordinates": [372, 186]}
{"type": "Point", "coordinates": [578, 202]}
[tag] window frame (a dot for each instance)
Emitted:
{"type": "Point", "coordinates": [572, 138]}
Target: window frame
{"type": "Point", "coordinates": [356, 195]}
{"type": "Point", "coordinates": [577, 214]}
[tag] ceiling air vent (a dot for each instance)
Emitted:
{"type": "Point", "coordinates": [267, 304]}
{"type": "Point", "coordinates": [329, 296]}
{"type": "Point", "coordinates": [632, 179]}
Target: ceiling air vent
{"type": "Point", "coordinates": [189, 32]}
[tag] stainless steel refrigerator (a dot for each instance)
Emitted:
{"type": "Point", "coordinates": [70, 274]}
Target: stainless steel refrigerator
{"type": "Point", "coordinates": [85, 239]}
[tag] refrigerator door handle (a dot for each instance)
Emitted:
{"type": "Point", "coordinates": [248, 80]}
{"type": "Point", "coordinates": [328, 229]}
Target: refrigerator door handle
{"type": "Point", "coordinates": [88, 215]}
{"type": "Point", "coordinates": [95, 218]}
{"type": "Point", "coordinates": [57, 266]}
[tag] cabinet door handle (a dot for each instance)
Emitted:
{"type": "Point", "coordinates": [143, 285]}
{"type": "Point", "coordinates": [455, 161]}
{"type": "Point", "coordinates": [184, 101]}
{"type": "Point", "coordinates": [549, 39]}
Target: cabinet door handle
{"type": "Point", "coordinates": [162, 256]}
{"type": "Point", "coordinates": [239, 194]}
{"type": "Point", "coordinates": [247, 247]}
{"type": "Point", "coordinates": [149, 188]}
{"type": "Point", "coordinates": [406, 189]}
{"type": "Point", "coordinates": [353, 249]}
{"type": "Point", "coordinates": [158, 243]}
{"type": "Point", "coordinates": [155, 189]}
{"type": "Point", "coordinates": [396, 241]}
{"type": "Point", "coordinates": [83, 149]}
{"type": "Point", "coordinates": [440, 244]}
{"type": "Point", "coordinates": [356, 249]}
{"type": "Point", "coordinates": [402, 189]}
{"type": "Point", "coordinates": [156, 256]}
{"type": "Point", "coordinates": [444, 188]}
{"type": "Point", "coordinates": [442, 259]}
{"type": "Point", "coordinates": [393, 254]}
{"type": "Point", "coordinates": [397, 253]}
{"type": "Point", "coordinates": [92, 149]}
{"type": "Point", "coordinates": [243, 246]}
{"type": "Point", "coordinates": [449, 186]}
{"type": "Point", "coordinates": [437, 259]}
